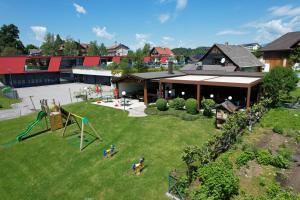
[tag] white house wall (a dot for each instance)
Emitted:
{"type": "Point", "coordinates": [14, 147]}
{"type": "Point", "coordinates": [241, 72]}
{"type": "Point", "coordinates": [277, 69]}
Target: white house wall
{"type": "Point", "coordinates": [94, 72]}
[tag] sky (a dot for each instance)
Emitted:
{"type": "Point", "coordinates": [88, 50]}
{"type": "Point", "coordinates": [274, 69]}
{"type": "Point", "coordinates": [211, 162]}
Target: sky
{"type": "Point", "coordinates": [167, 23]}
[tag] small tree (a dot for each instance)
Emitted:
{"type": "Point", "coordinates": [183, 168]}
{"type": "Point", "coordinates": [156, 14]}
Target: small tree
{"type": "Point", "coordinates": [207, 105]}
{"type": "Point", "coordinates": [279, 82]}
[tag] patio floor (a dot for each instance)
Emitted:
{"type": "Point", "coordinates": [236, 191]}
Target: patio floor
{"type": "Point", "coordinates": [134, 107]}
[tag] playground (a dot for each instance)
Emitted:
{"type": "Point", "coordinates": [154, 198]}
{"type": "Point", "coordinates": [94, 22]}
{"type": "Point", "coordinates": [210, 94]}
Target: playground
{"type": "Point", "coordinates": [50, 166]}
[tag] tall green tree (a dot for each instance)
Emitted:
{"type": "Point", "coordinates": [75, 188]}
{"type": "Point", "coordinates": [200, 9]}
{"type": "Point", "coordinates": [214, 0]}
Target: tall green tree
{"type": "Point", "coordinates": [295, 56]}
{"type": "Point", "coordinates": [10, 51]}
{"type": "Point", "coordinates": [9, 37]}
{"type": "Point", "coordinates": [139, 60]}
{"type": "Point", "coordinates": [146, 49]}
{"type": "Point", "coordinates": [49, 47]}
{"type": "Point", "coordinates": [58, 40]}
{"type": "Point", "coordinates": [102, 50]}
{"type": "Point", "coordinates": [93, 49]}
{"type": "Point", "coordinates": [71, 48]}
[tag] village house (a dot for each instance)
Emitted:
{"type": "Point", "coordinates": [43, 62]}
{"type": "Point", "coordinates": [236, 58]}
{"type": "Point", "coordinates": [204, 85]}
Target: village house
{"type": "Point", "coordinates": [277, 53]}
{"type": "Point", "coordinates": [227, 58]}
{"type": "Point", "coordinates": [117, 50]}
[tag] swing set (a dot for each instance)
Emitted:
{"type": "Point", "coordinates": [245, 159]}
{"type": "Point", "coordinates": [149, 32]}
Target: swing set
{"type": "Point", "coordinates": [84, 122]}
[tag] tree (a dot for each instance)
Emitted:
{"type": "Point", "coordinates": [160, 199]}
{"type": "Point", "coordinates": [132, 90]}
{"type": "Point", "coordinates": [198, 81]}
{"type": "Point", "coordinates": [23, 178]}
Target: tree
{"type": "Point", "coordinates": [49, 47]}
{"type": "Point", "coordinates": [71, 48]}
{"type": "Point", "coordinates": [279, 82]}
{"type": "Point", "coordinates": [257, 53]}
{"type": "Point", "coordinates": [10, 51]}
{"type": "Point", "coordinates": [28, 47]}
{"type": "Point", "coordinates": [295, 56]}
{"type": "Point", "coordinates": [102, 50]}
{"type": "Point", "coordinates": [93, 49]}
{"type": "Point", "coordinates": [139, 60]}
{"type": "Point", "coordinates": [9, 37]}
{"type": "Point", "coordinates": [125, 66]}
{"type": "Point", "coordinates": [146, 49]}
{"type": "Point", "coordinates": [58, 40]}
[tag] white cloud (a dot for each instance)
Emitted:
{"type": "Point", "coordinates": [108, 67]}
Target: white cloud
{"type": "Point", "coordinates": [231, 32]}
{"type": "Point", "coordinates": [181, 4]}
{"type": "Point", "coordinates": [163, 18]}
{"type": "Point", "coordinates": [40, 32]}
{"type": "Point", "coordinates": [79, 9]}
{"type": "Point", "coordinates": [286, 10]}
{"type": "Point", "coordinates": [168, 38]}
{"type": "Point", "coordinates": [269, 30]}
{"type": "Point", "coordinates": [141, 40]}
{"type": "Point", "coordinates": [101, 32]}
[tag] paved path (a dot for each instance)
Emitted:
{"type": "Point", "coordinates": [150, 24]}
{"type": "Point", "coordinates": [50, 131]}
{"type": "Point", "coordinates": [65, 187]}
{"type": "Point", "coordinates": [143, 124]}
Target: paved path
{"type": "Point", "coordinates": [60, 92]}
{"type": "Point", "coordinates": [135, 109]}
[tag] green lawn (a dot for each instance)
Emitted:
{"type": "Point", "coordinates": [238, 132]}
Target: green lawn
{"type": "Point", "coordinates": [48, 167]}
{"type": "Point", "coordinates": [5, 102]}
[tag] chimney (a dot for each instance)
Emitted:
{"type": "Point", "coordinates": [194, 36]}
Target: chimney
{"type": "Point", "coordinates": [170, 66]}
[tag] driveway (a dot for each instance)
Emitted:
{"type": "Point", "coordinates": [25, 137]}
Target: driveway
{"type": "Point", "coordinates": [62, 93]}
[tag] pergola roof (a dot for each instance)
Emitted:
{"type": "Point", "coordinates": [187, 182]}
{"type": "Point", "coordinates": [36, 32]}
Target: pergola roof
{"type": "Point", "coordinates": [227, 81]}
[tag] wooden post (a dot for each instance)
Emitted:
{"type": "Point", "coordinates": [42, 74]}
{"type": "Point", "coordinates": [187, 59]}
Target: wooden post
{"type": "Point", "coordinates": [198, 96]}
{"type": "Point", "coordinates": [145, 93]}
{"type": "Point", "coordinates": [81, 135]}
{"type": "Point", "coordinates": [92, 127]}
{"type": "Point", "coordinates": [66, 124]}
{"type": "Point", "coordinates": [248, 97]}
{"type": "Point", "coordinates": [161, 90]}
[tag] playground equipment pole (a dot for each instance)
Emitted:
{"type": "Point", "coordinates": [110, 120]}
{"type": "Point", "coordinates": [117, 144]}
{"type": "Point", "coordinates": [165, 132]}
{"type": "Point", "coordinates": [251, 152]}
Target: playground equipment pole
{"type": "Point", "coordinates": [32, 102]}
{"type": "Point", "coordinates": [70, 95]}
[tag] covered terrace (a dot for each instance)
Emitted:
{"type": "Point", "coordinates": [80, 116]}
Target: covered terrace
{"type": "Point", "coordinates": [242, 90]}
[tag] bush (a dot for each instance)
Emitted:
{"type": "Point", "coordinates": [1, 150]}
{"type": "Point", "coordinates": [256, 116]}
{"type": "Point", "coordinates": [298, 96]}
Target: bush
{"type": "Point", "coordinates": [218, 181]}
{"type": "Point", "coordinates": [278, 130]}
{"type": "Point", "coordinates": [179, 103]}
{"type": "Point", "coordinates": [191, 106]}
{"type": "Point", "coordinates": [280, 162]}
{"type": "Point", "coordinates": [161, 104]}
{"type": "Point", "coordinates": [279, 82]}
{"type": "Point", "coordinates": [171, 104]}
{"type": "Point", "coordinates": [245, 157]}
{"type": "Point", "coordinates": [264, 157]}
{"type": "Point", "coordinates": [207, 105]}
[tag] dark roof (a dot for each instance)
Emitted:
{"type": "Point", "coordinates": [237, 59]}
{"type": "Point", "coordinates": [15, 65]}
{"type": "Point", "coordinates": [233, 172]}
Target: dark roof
{"type": "Point", "coordinates": [239, 55]}
{"type": "Point", "coordinates": [196, 66]}
{"type": "Point", "coordinates": [116, 46]}
{"type": "Point", "coordinates": [219, 68]}
{"type": "Point", "coordinates": [149, 75]}
{"type": "Point", "coordinates": [228, 105]}
{"type": "Point", "coordinates": [285, 42]}
{"type": "Point", "coordinates": [222, 73]}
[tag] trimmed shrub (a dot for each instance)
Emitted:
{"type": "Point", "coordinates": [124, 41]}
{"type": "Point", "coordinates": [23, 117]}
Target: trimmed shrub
{"type": "Point", "coordinates": [264, 157]}
{"type": "Point", "coordinates": [171, 104]}
{"type": "Point", "coordinates": [207, 105]}
{"type": "Point", "coordinates": [278, 130]}
{"type": "Point", "coordinates": [161, 104]}
{"type": "Point", "coordinates": [179, 103]}
{"type": "Point", "coordinates": [191, 106]}
{"type": "Point", "coordinates": [245, 157]}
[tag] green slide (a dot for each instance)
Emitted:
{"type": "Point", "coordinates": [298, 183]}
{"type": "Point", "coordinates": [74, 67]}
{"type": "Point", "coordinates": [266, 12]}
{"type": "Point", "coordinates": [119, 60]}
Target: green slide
{"type": "Point", "coordinates": [40, 116]}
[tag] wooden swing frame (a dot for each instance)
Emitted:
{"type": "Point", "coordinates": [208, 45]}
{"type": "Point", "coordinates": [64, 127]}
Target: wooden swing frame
{"type": "Point", "coordinates": [81, 128]}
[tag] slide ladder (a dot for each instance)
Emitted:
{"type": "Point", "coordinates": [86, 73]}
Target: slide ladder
{"type": "Point", "coordinates": [24, 133]}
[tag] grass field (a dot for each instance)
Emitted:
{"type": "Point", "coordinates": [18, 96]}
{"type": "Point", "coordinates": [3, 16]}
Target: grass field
{"type": "Point", "coordinates": [48, 167]}
{"type": "Point", "coordinates": [5, 102]}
